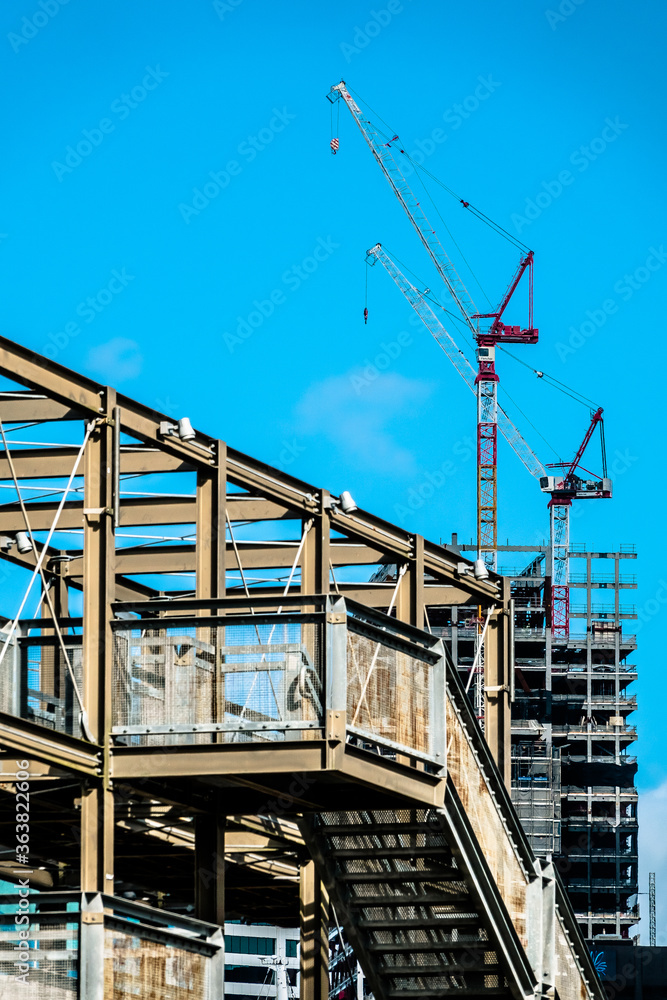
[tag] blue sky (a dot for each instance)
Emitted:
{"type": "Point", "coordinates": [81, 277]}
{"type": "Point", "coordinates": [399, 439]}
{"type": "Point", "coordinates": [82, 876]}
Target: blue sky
{"type": "Point", "coordinates": [171, 163]}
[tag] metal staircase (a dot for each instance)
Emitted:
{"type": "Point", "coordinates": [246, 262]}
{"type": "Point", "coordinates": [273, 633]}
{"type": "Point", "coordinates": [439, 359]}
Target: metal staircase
{"type": "Point", "coordinates": [405, 903]}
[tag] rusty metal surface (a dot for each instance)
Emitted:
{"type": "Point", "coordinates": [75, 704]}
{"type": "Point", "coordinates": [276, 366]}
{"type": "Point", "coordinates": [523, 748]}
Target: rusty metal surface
{"type": "Point", "coordinates": [473, 790]}
{"type": "Point", "coordinates": [136, 967]}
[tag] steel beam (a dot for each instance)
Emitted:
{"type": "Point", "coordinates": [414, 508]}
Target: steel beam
{"type": "Point", "coordinates": [52, 748]}
{"type": "Point", "coordinates": [25, 407]}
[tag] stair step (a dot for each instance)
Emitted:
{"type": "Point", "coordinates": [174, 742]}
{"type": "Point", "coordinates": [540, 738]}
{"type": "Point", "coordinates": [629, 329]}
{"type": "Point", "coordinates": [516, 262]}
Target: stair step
{"type": "Point", "coordinates": [424, 899]}
{"type": "Point", "coordinates": [415, 875]}
{"type": "Point", "coordinates": [362, 853]}
{"type": "Point", "coordinates": [424, 946]}
{"type": "Point", "coordinates": [437, 970]}
{"type": "Point", "coordinates": [363, 829]}
{"type": "Point", "coordinates": [456, 919]}
{"type": "Point", "coordinates": [476, 991]}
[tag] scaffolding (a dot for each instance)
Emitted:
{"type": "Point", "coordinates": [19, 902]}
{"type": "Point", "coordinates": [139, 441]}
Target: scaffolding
{"type": "Point", "coordinates": [571, 706]}
{"type": "Point", "coordinates": [536, 796]}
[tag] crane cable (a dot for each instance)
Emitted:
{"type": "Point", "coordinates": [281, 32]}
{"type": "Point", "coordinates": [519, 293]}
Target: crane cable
{"type": "Point", "coordinates": [496, 227]}
{"type": "Point", "coordinates": [555, 383]}
{"type": "Point", "coordinates": [392, 136]}
{"type": "Point", "coordinates": [463, 331]}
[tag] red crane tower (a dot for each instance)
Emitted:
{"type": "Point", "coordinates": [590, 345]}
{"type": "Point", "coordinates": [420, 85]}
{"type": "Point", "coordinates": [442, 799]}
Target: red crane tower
{"type": "Point", "coordinates": [487, 328]}
{"type": "Point", "coordinates": [563, 489]}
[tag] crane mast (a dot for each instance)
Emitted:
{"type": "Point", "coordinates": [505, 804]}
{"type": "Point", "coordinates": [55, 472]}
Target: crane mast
{"type": "Point", "coordinates": [486, 338]}
{"type": "Point", "coordinates": [562, 489]}
{"type": "Point", "coordinates": [444, 339]}
{"type": "Point", "coordinates": [490, 416]}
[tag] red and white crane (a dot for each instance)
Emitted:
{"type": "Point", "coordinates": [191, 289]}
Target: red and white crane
{"type": "Point", "coordinates": [563, 488]}
{"type": "Point", "coordinates": [487, 328]}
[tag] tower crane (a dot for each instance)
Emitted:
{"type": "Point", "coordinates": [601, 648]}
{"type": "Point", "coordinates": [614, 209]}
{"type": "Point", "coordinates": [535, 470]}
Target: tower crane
{"type": "Point", "coordinates": [487, 328]}
{"type": "Point", "coordinates": [562, 489]}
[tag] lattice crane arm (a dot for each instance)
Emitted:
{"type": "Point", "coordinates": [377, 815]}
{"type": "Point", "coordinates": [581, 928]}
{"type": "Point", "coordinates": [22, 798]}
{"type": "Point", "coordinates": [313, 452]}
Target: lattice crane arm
{"type": "Point", "coordinates": [416, 299]}
{"type": "Point", "coordinates": [595, 420]}
{"type": "Point", "coordinates": [383, 153]}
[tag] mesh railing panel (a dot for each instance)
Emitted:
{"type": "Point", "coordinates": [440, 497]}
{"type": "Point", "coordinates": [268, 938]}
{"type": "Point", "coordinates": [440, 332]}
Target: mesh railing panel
{"type": "Point", "coordinates": [388, 693]}
{"type": "Point", "coordinates": [568, 980]}
{"type": "Point", "coordinates": [135, 967]}
{"type": "Point", "coordinates": [52, 959]}
{"type": "Point", "coordinates": [464, 769]}
{"type": "Point", "coordinates": [230, 680]}
{"type": "Point", "coordinates": [46, 693]}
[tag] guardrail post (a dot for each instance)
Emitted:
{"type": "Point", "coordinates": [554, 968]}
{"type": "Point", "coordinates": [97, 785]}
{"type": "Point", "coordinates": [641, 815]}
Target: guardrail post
{"type": "Point", "coordinates": [335, 665]}
{"type": "Point", "coordinates": [541, 906]}
{"type": "Point", "coordinates": [14, 686]}
{"type": "Point", "coordinates": [91, 947]}
{"type": "Point", "coordinates": [438, 696]}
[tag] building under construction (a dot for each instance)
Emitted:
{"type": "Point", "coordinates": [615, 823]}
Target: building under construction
{"type": "Point", "coordinates": [573, 765]}
{"type": "Point", "coordinates": [205, 717]}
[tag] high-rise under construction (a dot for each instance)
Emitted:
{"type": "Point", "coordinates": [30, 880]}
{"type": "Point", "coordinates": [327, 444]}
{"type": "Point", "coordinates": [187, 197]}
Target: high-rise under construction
{"type": "Point", "coordinates": [573, 766]}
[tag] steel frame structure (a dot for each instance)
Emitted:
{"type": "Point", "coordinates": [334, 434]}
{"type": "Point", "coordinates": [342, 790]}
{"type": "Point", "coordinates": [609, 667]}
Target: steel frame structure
{"type": "Point", "coordinates": [217, 791]}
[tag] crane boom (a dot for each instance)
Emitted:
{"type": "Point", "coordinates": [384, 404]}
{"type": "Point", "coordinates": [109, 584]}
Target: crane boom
{"type": "Point", "coordinates": [416, 299]}
{"type": "Point", "coordinates": [383, 153]}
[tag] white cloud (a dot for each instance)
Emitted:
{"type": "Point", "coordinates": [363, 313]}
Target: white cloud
{"type": "Point", "coordinates": [116, 360]}
{"type": "Point", "coordinates": [356, 415]}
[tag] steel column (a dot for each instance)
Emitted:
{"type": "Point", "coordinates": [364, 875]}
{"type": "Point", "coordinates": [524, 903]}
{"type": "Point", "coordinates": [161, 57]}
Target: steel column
{"type": "Point", "coordinates": [210, 866]}
{"type": "Point", "coordinates": [97, 644]}
{"type": "Point", "coordinates": [314, 922]}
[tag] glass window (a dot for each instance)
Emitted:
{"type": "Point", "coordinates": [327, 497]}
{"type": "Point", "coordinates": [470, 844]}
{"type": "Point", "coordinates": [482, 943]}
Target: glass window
{"type": "Point", "coordinates": [291, 948]}
{"type": "Point", "coordinates": [237, 944]}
